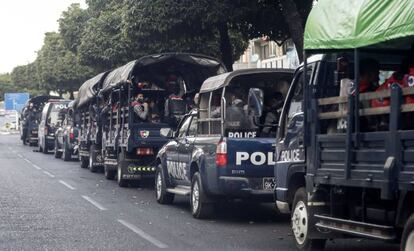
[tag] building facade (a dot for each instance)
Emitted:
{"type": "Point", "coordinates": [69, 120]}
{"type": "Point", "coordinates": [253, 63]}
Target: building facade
{"type": "Point", "coordinates": [263, 53]}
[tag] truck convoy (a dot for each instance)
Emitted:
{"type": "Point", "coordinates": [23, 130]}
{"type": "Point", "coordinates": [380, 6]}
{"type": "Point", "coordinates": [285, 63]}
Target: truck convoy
{"type": "Point", "coordinates": [345, 144]}
{"type": "Point", "coordinates": [342, 163]}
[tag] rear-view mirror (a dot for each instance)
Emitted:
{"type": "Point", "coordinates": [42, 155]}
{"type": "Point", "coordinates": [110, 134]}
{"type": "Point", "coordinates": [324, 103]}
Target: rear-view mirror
{"type": "Point", "coordinates": [167, 132]}
{"type": "Point", "coordinates": [255, 102]}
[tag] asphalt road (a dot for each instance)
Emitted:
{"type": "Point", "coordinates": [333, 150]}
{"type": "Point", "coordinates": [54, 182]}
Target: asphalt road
{"type": "Point", "coordinates": [48, 204]}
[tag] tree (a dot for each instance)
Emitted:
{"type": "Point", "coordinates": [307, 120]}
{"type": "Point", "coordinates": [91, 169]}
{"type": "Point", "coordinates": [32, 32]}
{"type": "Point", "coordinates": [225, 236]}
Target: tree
{"type": "Point", "coordinates": [200, 26]}
{"type": "Point", "coordinates": [102, 45]}
{"type": "Point", "coordinates": [72, 26]}
{"type": "Point", "coordinates": [59, 68]}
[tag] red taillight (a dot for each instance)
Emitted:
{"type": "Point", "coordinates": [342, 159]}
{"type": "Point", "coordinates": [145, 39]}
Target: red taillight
{"type": "Point", "coordinates": [145, 151]}
{"type": "Point", "coordinates": [221, 154]}
{"type": "Point", "coordinates": [71, 136]}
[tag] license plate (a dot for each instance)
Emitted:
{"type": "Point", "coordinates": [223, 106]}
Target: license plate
{"type": "Point", "coordinates": [269, 183]}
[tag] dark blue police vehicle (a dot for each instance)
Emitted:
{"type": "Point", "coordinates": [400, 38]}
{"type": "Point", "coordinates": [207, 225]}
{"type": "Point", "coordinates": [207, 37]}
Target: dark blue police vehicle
{"type": "Point", "coordinates": [139, 99]}
{"type": "Point", "coordinates": [225, 148]}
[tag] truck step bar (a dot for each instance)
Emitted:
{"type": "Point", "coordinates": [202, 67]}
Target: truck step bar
{"type": "Point", "coordinates": [357, 228]}
{"type": "Point", "coordinates": [180, 190]}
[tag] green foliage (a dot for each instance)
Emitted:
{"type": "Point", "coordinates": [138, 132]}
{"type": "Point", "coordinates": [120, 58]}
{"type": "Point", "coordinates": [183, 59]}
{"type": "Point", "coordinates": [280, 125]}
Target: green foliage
{"type": "Point", "coordinates": [103, 45]}
{"type": "Point", "coordinates": [72, 25]}
{"type": "Point", "coordinates": [110, 33]}
{"type": "Point", "coordinates": [59, 68]}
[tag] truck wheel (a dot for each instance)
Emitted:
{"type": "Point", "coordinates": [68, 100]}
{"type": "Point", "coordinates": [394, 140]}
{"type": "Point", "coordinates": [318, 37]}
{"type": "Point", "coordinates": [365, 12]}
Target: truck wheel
{"type": "Point", "coordinates": [83, 162]}
{"type": "Point", "coordinates": [163, 197]}
{"type": "Point", "coordinates": [109, 174]}
{"type": "Point", "coordinates": [300, 223]}
{"type": "Point", "coordinates": [200, 209]}
{"type": "Point", "coordinates": [407, 240]}
{"type": "Point", "coordinates": [92, 158]}
{"type": "Point", "coordinates": [57, 154]}
{"type": "Point", "coordinates": [66, 153]}
{"type": "Point", "coordinates": [121, 162]}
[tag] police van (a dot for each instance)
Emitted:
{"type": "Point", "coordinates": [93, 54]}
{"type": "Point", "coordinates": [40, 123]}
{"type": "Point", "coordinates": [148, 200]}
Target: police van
{"type": "Point", "coordinates": [49, 123]}
{"type": "Point", "coordinates": [225, 148]}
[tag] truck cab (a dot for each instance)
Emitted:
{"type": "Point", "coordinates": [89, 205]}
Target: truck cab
{"type": "Point", "coordinates": [225, 148]}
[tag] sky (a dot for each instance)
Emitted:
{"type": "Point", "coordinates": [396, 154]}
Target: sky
{"type": "Point", "coordinates": [23, 24]}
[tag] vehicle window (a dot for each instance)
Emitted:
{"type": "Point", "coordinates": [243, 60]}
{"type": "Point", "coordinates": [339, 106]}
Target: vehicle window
{"type": "Point", "coordinates": [215, 123]}
{"type": "Point", "coordinates": [296, 102]}
{"type": "Point", "coordinates": [239, 123]}
{"type": "Point", "coordinates": [54, 113]}
{"type": "Point", "coordinates": [192, 130]}
{"type": "Point", "coordinates": [203, 113]}
{"type": "Point", "coordinates": [210, 113]}
{"type": "Point", "coordinates": [184, 127]}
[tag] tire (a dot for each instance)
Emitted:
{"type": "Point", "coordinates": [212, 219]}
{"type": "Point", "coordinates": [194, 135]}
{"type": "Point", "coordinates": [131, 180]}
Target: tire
{"type": "Point", "coordinates": [407, 240]}
{"type": "Point", "coordinates": [92, 157]}
{"type": "Point", "coordinates": [109, 174]}
{"type": "Point", "coordinates": [57, 154]}
{"type": "Point", "coordinates": [161, 194]}
{"type": "Point", "coordinates": [200, 208]}
{"type": "Point", "coordinates": [83, 162]}
{"type": "Point", "coordinates": [66, 155]}
{"type": "Point", "coordinates": [300, 223]}
{"type": "Point", "coordinates": [121, 161]}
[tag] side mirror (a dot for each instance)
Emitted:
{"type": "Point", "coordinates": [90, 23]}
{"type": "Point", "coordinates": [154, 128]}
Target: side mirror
{"type": "Point", "coordinates": [255, 102]}
{"type": "Point", "coordinates": [296, 120]}
{"type": "Point", "coordinates": [167, 132]}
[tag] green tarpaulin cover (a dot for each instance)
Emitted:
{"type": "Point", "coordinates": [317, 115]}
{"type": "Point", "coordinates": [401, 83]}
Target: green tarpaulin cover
{"type": "Point", "coordinates": [348, 24]}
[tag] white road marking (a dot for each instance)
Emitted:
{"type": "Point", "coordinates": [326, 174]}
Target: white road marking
{"type": "Point", "coordinates": [19, 155]}
{"type": "Point", "coordinates": [28, 161]}
{"type": "Point", "coordinates": [144, 235]}
{"type": "Point", "coordinates": [66, 185]}
{"type": "Point", "coordinates": [96, 204]}
{"type": "Point", "coordinates": [37, 167]}
{"type": "Point", "coordinates": [49, 174]}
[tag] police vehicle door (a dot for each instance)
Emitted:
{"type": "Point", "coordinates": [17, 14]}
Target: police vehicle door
{"type": "Point", "coordinates": [174, 166]}
{"type": "Point", "coordinates": [185, 151]}
{"type": "Point", "coordinates": [290, 145]}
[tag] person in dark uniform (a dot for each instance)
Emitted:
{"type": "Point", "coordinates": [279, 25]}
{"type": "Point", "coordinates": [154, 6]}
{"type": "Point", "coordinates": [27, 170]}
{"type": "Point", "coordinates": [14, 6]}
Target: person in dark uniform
{"type": "Point", "coordinates": [175, 106]}
{"type": "Point", "coordinates": [141, 108]}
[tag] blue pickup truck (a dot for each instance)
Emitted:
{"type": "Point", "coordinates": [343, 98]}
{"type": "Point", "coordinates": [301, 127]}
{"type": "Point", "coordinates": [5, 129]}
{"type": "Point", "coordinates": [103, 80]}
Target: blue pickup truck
{"type": "Point", "coordinates": [225, 148]}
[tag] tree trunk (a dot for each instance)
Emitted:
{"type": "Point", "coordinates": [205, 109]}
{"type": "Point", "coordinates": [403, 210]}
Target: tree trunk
{"type": "Point", "coordinates": [225, 46]}
{"type": "Point", "coordinates": [295, 24]}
